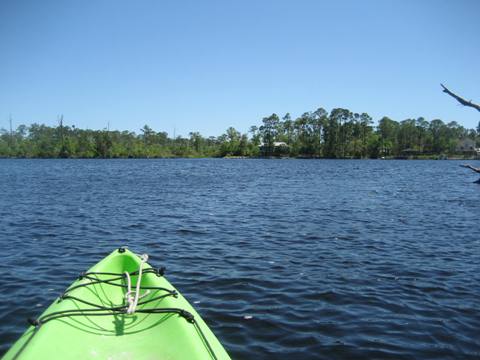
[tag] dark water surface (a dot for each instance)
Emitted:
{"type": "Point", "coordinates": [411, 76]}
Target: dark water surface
{"type": "Point", "coordinates": [283, 258]}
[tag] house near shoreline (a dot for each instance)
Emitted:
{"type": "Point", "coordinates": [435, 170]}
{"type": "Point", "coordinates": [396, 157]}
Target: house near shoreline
{"type": "Point", "coordinates": [279, 147]}
{"type": "Point", "coordinates": [276, 144]}
{"type": "Point", "coordinates": [467, 146]}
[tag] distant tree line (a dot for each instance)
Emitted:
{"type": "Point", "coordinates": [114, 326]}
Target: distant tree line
{"type": "Point", "coordinates": [318, 134]}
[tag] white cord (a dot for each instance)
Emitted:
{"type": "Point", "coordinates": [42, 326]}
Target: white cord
{"type": "Point", "coordinates": [133, 300]}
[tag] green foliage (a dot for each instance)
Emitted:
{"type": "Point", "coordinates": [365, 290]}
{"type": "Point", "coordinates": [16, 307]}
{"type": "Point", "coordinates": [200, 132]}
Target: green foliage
{"type": "Point", "coordinates": [338, 134]}
{"type": "Point", "coordinates": [269, 133]}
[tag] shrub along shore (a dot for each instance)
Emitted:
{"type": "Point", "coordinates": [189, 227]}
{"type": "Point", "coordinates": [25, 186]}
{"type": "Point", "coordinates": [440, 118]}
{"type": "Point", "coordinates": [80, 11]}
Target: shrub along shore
{"type": "Point", "coordinates": [317, 134]}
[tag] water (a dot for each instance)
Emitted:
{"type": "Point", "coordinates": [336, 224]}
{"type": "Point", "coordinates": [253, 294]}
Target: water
{"type": "Point", "coordinates": [283, 258]}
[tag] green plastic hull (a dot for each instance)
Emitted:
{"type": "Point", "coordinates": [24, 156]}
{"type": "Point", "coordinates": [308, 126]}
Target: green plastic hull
{"type": "Point", "coordinates": [119, 336]}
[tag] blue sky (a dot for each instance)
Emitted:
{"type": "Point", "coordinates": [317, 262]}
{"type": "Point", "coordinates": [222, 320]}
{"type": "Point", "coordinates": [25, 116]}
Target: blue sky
{"type": "Point", "coordinates": [207, 65]}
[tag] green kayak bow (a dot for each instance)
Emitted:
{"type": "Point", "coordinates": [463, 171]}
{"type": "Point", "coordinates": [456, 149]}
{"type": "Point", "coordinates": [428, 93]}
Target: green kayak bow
{"type": "Point", "coordinates": [108, 314]}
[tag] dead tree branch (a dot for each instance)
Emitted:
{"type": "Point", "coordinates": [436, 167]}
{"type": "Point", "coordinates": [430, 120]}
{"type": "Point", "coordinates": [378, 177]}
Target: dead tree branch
{"type": "Point", "coordinates": [468, 166]}
{"type": "Point", "coordinates": [460, 99]}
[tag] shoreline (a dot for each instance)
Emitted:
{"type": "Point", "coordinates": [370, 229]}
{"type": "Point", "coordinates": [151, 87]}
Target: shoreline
{"type": "Point", "coordinates": [436, 158]}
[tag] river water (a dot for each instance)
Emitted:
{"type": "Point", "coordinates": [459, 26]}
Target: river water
{"type": "Point", "coordinates": [284, 259]}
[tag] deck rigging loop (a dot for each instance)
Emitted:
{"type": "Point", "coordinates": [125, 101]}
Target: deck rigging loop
{"type": "Point", "coordinates": [132, 301]}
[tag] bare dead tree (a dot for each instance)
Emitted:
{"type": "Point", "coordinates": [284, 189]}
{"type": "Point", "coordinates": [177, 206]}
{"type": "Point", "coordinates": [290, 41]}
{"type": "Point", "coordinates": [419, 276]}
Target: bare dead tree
{"type": "Point", "coordinates": [460, 99]}
{"type": "Point", "coordinates": [468, 103]}
{"type": "Point", "coordinates": [468, 166]}
{"type": "Point", "coordinates": [477, 170]}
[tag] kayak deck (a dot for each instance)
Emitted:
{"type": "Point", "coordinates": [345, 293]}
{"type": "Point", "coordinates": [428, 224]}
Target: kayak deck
{"type": "Point", "coordinates": [90, 321]}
